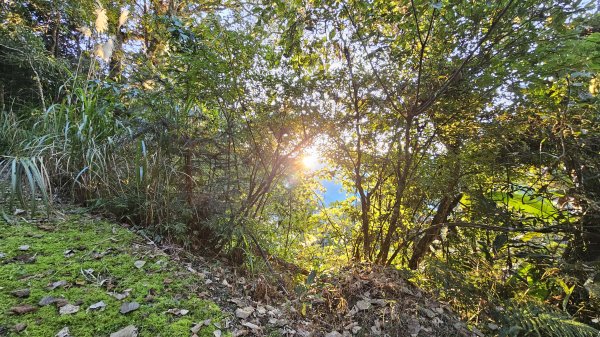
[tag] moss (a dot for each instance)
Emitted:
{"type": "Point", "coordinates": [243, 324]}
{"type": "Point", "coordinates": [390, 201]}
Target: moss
{"type": "Point", "coordinates": [160, 285]}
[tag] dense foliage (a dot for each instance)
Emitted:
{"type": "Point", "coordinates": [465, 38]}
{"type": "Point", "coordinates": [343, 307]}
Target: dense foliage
{"type": "Point", "coordinates": [465, 136]}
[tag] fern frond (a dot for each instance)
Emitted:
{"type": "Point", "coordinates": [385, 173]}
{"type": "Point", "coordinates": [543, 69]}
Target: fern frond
{"type": "Point", "coordinates": [534, 320]}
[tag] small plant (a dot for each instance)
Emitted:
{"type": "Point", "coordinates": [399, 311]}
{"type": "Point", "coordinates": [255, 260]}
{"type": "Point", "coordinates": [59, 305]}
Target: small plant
{"type": "Point", "coordinates": [30, 172]}
{"type": "Point", "coordinates": [536, 320]}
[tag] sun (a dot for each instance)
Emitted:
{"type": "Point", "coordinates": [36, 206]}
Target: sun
{"type": "Point", "coordinates": [310, 161]}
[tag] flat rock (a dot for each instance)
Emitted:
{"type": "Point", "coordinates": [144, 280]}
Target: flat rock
{"type": "Point", "coordinates": [120, 296]}
{"type": "Point", "coordinates": [129, 307]}
{"type": "Point", "coordinates": [68, 309]}
{"type": "Point", "coordinates": [98, 306]}
{"type": "Point", "coordinates": [64, 332]}
{"type": "Point", "coordinates": [57, 284]}
{"type": "Point", "coordinates": [128, 331]}
{"type": "Point", "coordinates": [46, 300]}
{"type": "Point", "coordinates": [21, 293]}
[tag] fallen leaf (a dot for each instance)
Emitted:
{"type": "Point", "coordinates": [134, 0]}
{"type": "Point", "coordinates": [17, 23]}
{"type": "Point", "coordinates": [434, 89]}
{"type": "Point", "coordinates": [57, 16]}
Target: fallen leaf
{"type": "Point", "coordinates": [363, 305]}
{"type": "Point", "coordinates": [428, 312]}
{"type": "Point", "coordinates": [25, 258]}
{"type": "Point", "coordinates": [243, 313]}
{"type": "Point", "coordinates": [97, 306]}
{"type": "Point", "coordinates": [23, 309]}
{"type": "Point", "coordinates": [333, 334]}
{"type": "Point", "coordinates": [413, 328]}
{"type": "Point", "coordinates": [68, 309]}
{"type": "Point", "coordinates": [217, 333]}
{"type": "Point", "coordinates": [21, 293]}
{"type": "Point", "coordinates": [24, 247]}
{"type": "Point", "coordinates": [46, 228]}
{"type": "Point", "coordinates": [19, 211]}
{"type": "Point", "coordinates": [129, 307]}
{"type": "Point", "coordinates": [128, 331]}
{"type": "Point", "coordinates": [139, 264]}
{"type": "Point", "coordinates": [20, 327]}
{"type": "Point", "coordinates": [69, 253]}
{"type": "Point", "coordinates": [251, 325]}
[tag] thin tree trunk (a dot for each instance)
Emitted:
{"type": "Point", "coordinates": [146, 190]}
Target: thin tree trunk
{"type": "Point", "coordinates": [444, 210]}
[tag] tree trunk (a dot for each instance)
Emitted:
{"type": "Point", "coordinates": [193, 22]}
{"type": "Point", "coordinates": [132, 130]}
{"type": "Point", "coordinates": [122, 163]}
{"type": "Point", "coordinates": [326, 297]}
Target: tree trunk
{"type": "Point", "coordinates": [441, 216]}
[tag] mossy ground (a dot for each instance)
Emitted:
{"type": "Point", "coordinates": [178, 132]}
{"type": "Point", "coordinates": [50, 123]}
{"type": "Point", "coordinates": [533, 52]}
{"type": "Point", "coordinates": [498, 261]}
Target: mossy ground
{"type": "Point", "coordinates": [91, 276]}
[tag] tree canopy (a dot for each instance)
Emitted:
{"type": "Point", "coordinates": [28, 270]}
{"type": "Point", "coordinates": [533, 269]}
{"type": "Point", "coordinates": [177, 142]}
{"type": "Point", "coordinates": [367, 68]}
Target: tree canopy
{"type": "Point", "coordinates": [464, 135]}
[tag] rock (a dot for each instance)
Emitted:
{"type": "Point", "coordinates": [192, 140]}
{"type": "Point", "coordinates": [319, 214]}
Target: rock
{"type": "Point", "coordinates": [2, 255]}
{"type": "Point", "coordinates": [128, 331]}
{"type": "Point", "coordinates": [128, 307]}
{"type": "Point", "coordinates": [217, 333]}
{"type": "Point", "coordinates": [139, 264]}
{"type": "Point", "coordinates": [178, 312]}
{"type": "Point", "coordinates": [492, 326]}
{"type": "Point", "coordinates": [46, 300]}
{"type": "Point", "coordinates": [68, 309]}
{"type": "Point", "coordinates": [64, 332]}
{"type": "Point", "coordinates": [24, 247]}
{"type": "Point", "coordinates": [120, 296]}
{"type": "Point", "coordinates": [23, 309]}
{"type": "Point", "coordinates": [363, 305]}
{"type": "Point", "coordinates": [97, 306]}
{"type": "Point", "coordinates": [21, 293]}
{"type": "Point", "coordinates": [19, 327]}
{"type": "Point", "coordinates": [334, 334]}
{"type": "Point", "coordinates": [69, 253]}
{"type": "Point", "coordinates": [244, 313]}
{"type": "Point", "coordinates": [196, 328]}
{"type": "Point", "coordinates": [57, 284]}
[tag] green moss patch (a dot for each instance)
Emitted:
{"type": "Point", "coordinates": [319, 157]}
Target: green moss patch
{"type": "Point", "coordinates": [95, 261]}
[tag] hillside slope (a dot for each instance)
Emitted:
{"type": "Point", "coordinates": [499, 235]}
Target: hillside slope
{"type": "Point", "coordinates": [77, 275]}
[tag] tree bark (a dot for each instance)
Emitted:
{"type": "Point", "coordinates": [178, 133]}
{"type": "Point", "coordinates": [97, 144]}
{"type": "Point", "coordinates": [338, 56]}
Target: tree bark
{"type": "Point", "coordinates": [444, 210]}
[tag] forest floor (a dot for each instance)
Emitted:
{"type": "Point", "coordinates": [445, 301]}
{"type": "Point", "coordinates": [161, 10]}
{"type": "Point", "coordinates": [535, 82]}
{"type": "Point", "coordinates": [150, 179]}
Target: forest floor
{"type": "Point", "coordinates": [79, 275]}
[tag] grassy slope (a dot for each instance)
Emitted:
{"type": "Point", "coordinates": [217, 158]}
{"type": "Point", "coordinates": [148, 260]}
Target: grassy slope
{"type": "Point", "coordinates": [115, 272]}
